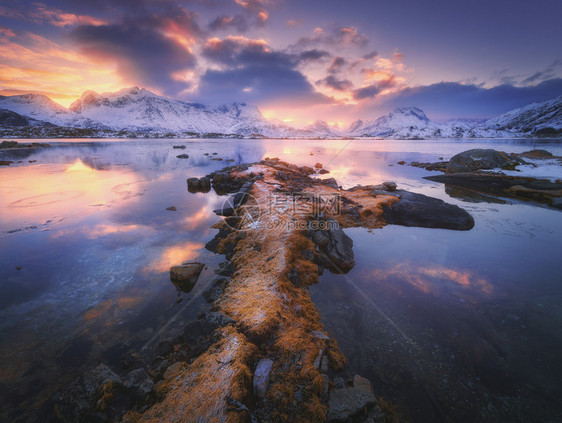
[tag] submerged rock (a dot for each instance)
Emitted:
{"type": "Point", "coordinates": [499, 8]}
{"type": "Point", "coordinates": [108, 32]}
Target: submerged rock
{"type": "Point", "coordinates": [427, 212]}
{"type": "Point", "coordinates": [8, 144]}
{"type": "Point", "coordinates": [183, 156]}
{"type": "Point", "coordinates": [185, 276]}
{"type": "Point", "coordinates": [348, 402]}
{"type": "Point", "coordinates": [182, 147]}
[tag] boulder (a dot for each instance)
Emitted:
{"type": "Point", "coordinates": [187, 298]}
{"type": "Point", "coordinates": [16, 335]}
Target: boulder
{"type": "Point", "coordinates": [261, 377]}
{"type": "Point", "coordinates": [334, 246]}
{"type": "Point", "coordinates": [8, 144]}
{"type": "Point", "coordinates": [183, 156]}
{"type": "Point", "coordinates": [199, 184]}
{"type": "Point", "coordinates": [427, 212]}
{"type": "Point", "coordinates": [537, 154]}
{"type": "Point", "coordinates": [477, 159]}
{"type": "Point", "coordinates": [186, 275]}
{"type": "Point", "coordinates": [181, 147]}
{"type": "Point", "coordinates": [390, 185]}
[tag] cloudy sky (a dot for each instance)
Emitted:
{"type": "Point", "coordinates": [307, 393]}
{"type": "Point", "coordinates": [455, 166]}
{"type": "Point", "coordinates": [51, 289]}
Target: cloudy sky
{"type": "Point", "coordinates": [297, 60]}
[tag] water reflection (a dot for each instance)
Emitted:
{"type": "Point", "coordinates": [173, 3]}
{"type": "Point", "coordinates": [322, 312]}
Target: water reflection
{"type": "Point", "coordinates": [86, 244]}
{"type": "Point", "coordinates": [432, 279]}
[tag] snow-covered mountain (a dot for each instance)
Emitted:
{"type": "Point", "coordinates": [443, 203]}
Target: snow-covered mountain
{"type": "Point", "coordinates": [403, 122]}
{"type": "Point", "coordinates": [134, 112]}
{"type": "Point", "coordinates": [139, 110]}
{"type": "Point", "coordinates": [544, 118]}
{"type": "Point", "coordinates": [321, 128]}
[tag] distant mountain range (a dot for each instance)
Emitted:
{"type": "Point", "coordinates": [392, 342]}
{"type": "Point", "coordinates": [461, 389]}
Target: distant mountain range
{"type": "Point", "coordinates": [134, 112]}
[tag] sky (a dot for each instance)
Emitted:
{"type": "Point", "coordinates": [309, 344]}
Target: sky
{"type": "Point", "coordinates": [297, 60]}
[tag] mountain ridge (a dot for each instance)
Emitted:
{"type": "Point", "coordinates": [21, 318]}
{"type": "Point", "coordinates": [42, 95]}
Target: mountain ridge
{"type": "Point", "coordinates": [139, 112]}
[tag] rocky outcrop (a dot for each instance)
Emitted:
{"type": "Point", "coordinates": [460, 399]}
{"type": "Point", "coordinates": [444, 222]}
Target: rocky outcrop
{"type": "Point", "coordinates": [422, 211]}
{"type": "Point", "coordinates": [335, 248]}
{"type": "Point", "coordinates": [522, 188]}
{"type": "Point", "coordinates": [477, 159]}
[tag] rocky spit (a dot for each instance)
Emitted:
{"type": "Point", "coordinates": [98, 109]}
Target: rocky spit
{"type": "Point", "coordinates": [261, 353]}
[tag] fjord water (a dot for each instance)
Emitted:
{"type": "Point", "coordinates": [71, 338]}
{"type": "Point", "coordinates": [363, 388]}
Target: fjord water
{"type": "Point", "coordinates": [449, 325]}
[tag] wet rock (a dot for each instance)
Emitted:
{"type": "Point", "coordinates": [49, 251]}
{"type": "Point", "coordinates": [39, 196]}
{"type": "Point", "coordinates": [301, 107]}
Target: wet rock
{"type": "Point", "coordinates": [401, 162]}
{"type": "Point", "coordinates": [323, 171]}
{"type": "Point", "coordinates": [8, 144]}
{"type": "Point", "coordinates": [183, 156]}
{"type": "Point", "coordinates": [199, 184]}
{"type": "Point", "coordinates": [363, 383]}
{"type": "Point", "coordinates": [557, 203]}
{"type": "Point", "coordinates": [235, 201]}
{"type": "Point", "coordinates": [320, 335]}
{"type": "Point", "coordinates": [536, 154]}
{"type": "Point", "coordinates": [522, 188]}
{"type": "Point", "coordinates": [5, 162]}
{"type": "Point", "coordinates": [171, 208]}
{"type": "Point", "coordinates": [182, 147]}
{"type": "Point", "coordinates": [212, 294]}
{"type": "Point", "coordinates": [477, 159]}
{"type": "Point", "coordinates": [82, 398]}
{"type": "Point", "coordinates": [318, 165]}
{"type": "Point", "coordinates": [226, 269]}
{"type": "Point", "coordinates": [346, 403]}
{"type": "Point", "coordinates": [200, 334]}
{"type": "Point", "coordinates": [334, 246]}
{"type": "Point", "coordinates": [139, 381]}
{"type": "Point", "coordinates": [174, 370]}
{"type": "Point", "coordinates": [331, 182]}
{"type": "Point", "coordinates": [186, 275]}
{"type": "Point", "coordinates": [261, 377]}
{"type": "Point", "coordinates": [390, 185]}
{"type": "Point", "coordinates": [422, 211]}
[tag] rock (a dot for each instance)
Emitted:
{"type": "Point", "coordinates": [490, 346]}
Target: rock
{"type": "Point", "coordinates": [325, 385]}
{"type": "Point", "coordinates": [261, 377]}
{"type": "Point", "coordinates": [80, 400]}
{"type": "Point", "coordinates": [318, 165]}
{"type": "Point", "coordinates": [557, 203]}
{"type": "Point", "coordinates": [199, 184]}
{"type": "Point", "coordinates": [422, 211]}
{"type": "Point", "coordinates": [522, 188]}
{"type": "Point", "coordinates": [171, 208]}
{"type": "Point", "coordinates": [339, 383]}
{"type": "Point", "coordinates": [5, 162]}
{"type": "Point", "coordinates": [390, 185]}
{"type": "Point", "coordinates": [477, 159]}
{"type": "Point", "coordinates": [183, 156]}
{"type": "Point", "coordinates": [139, 381]}
{"type": "Point", "coordinates": [536, 154]}
{"type": "Point", "coordinates": [200, 334]}
{"type": "Point", "coordinates": [182, 147]}
{"type": "Point", "coordinates": [186, 275]}
{"type": "Point", "coordinates": [235, 201]}
{"type": "Point", "coordinates": [334, 246]}
{"type": "Point", "coordinates": [212, 294]}
{"type": "Point", "coordinates": [363, 383]}
{"type": "Point", "coordinates": [348, 402]}
{"type": "Point", "coordinates": [173, 370]}
{"type": "Point", "coordinates": [401, 162]}
{"type": "Point", "coordinates": [331, 182]}
{"type": "Point", "coordinates": [318, 359]}
{"type": "Point", "coordinates": [320, 335]}
{"type": "Point", "coordinates": [8, 144]}
{"type": "Point", "coordinates": [324, 365]}
{"type": "Point", "coordinates": [323, 171]}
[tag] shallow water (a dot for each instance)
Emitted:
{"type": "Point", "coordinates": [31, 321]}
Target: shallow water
{"type": "Point", "coordinates": [451, 326]}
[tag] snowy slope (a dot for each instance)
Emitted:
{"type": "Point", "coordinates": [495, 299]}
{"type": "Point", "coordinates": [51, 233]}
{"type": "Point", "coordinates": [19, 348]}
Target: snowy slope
{"type": "Point", "coordinates": [139, 111]}
{"type": "Point", "coordinates": [36, 106]}
{"type": "Point", "coordinates": [543, 117]}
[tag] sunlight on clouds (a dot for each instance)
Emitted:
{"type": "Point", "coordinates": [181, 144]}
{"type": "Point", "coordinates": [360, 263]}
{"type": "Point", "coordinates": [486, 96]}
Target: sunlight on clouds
{"type": "Point", "coordinates": [175, 255]}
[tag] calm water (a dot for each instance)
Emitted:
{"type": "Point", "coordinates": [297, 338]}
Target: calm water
{"type": "Point", "coordinates": [451, 326]}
